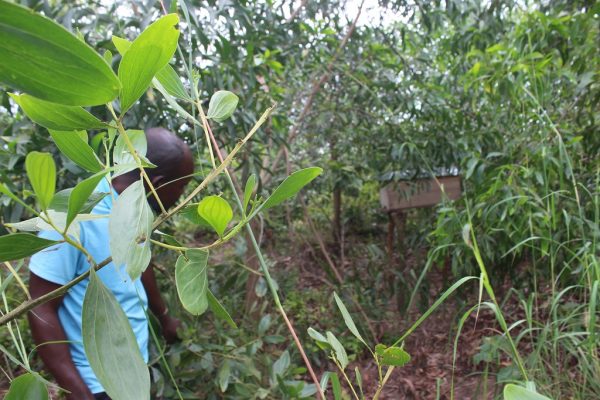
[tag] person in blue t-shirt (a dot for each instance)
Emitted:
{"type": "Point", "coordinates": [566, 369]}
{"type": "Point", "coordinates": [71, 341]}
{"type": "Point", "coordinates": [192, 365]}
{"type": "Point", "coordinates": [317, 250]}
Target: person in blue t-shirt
{"type": "Point", "coordinates": [56, 325]}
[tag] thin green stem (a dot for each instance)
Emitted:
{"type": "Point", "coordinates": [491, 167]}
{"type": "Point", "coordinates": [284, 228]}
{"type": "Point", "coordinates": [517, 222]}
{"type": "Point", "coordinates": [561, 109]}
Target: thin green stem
{"type": "Point", "coordinates": [136, 157]}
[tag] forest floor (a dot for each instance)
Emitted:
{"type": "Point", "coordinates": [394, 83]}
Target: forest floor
{"type": "Point", "coordinates": [430, 372]}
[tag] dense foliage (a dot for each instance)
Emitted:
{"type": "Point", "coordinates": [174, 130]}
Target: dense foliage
{"type": "Point", "coordinates": [503, 94]}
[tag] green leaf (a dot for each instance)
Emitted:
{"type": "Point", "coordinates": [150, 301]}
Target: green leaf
{"type": "Point", "coordinates": [358, 377]}
{"type": "Point", "coordinates": [80, 195]}
{"type": "Point", "coordinates": [41, 171]}
{"type": "Point", "coordinates": [110, 345]}
{"type": "Point", "coordinates": [218, 309]}
{"type": "Point", "coordinates": [56, 116]}
{"type": "Point", "coordinates": [60, 201]}
{"type": "Point", "coordinates": [393, 356]}
{"type": "Point", "coordinates": [192, 281]}
{"type": "Point", "coordinates": [167, 76]}
{"type": "Point", "coordinates": [123, 159]}
{"type": "Point", "coordinates": [348, 319]}
{"type": "Point", "coordinates": [282, 364]}
{"type": "Point", "coordinates": [291, 185]}
{"type": "Point", "coordinates": [169, 79]}
{"type": "Point", "coordinates": [147, 55]}
{"type": "Point", "coordinates": [131, 220]}
{"type": "Point", "coordinates": [319, 338]}
{"type": "Point", "coordinates": [108, 56]}
{"type": "Point", "coordinates": [249, 189]}
{"type": "Point", "coordinates": [222, 104]}
{"type": "Point", "coordinates": [28, 387]}
{"type": "Point", "coordinates": [76, 149]}
{"type": "Point", "coordinates": [121, 44]}
{"type": "Point", "coordinates": [216, 211]}
{"type": "Point", "coordinates": [42, 58]}
{"type": "Point", "coordinates": [190, 212]}
{"type": "Point", "coordinates": [20, 245]}
{"type": "Point", "coordinates": [340, 352]}
{"type": "Point", "coordinates": [516, 392]}
{"type": "Point", "coordinates": [59, 223]}
{"type": "Point", "coordinates": [224, 375]}
{"type": "Point", "coordinates": [336, 386]}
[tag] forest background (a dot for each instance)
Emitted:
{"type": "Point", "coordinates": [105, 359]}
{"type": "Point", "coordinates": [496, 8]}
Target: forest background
{"type": "Point", "coordinates": [502, 93]}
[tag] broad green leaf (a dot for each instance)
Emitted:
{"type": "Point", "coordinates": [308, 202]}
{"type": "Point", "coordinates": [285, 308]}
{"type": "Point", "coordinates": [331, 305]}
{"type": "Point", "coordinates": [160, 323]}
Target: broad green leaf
{"type": "Point", "coordinates": [218, 309]}
{"type": "Point", "coordinates": [20, 245]}
{"type": "Point", "coordinates": [27, 387]}
{"type": "Point", "coordinates": [348, 319]}
{"type": "Point", "coordinates": [249, 189]}
{"type": "Point", "coordinates": [222, 104]}
{"type": "Point", "coordinates": [76, 149]}
{"type": "Point", "coordinates": [319, 338]}
{"type": "Point", "coordinates": [216, 211]}
{"type": "Point", "coordinates": [130, 221]}
{"type": "Point", "coordinates": [516, 392]}
{"type": "Point", "coordinates": [111, 346]}
{"type": "Point", "coordinates": [291, 185]}
{"type": "Point", "coordinates": [41, 172]}
{"type": "Point", "coordinates": [192, 281]}
{"type": "Point", "coordinates": [147, 55]}
{"type": "Point", "coordinates": [393, 356]}
{"type": "Point", "coordinates": [60, 201]}
{"type": "Point", "coordinates": [56, 116]}
{"type": "Point", "coordinates": [42, 58]}
{"type": "Point", "coordinates": [80, 195]}
{"type": "Point", "coordinates": [282, 364]}
{"type": "Point", "coordinates": [340, 352]}
{"type": "Point", "coordinates": [167, 76]}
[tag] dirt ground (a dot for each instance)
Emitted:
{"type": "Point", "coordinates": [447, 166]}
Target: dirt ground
{"type": "Point", "coordinates": [429, 373]}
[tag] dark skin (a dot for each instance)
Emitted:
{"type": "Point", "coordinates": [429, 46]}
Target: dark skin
{"type": "Point", "coordinates": [43, 320]}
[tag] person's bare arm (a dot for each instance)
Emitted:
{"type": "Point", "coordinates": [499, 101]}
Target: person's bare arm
{"type": "Point", "coordinates": [46, 327]}
{"type": "Point", "coordinates": [158, 307]}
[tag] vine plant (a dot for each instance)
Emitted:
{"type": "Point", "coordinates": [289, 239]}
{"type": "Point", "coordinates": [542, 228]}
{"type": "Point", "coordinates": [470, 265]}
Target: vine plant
{"type": "Point", "coordinates": [62, 76]}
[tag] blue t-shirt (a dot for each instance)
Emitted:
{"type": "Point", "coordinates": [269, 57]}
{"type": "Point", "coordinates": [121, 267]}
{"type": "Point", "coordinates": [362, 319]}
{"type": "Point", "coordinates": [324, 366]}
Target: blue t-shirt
{"type": "Point", "coordinates": [61, 263]}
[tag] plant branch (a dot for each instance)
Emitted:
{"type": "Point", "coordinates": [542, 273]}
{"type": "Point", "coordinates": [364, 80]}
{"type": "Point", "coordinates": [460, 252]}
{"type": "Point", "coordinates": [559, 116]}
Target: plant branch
{"type": "Point", "coordinates": [262, 263]}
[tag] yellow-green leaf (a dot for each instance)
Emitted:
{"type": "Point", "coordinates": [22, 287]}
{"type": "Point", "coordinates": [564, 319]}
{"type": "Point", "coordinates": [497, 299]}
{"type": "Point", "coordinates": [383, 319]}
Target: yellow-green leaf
{"type": "Point", "coordinates": [42, 58]}
{"type": "Point", "coordinates": [167, 76]}
{"type": "Point", "coordinates": [41, 171]}
{"type": "Point", "coordinates": [516, 392]}
{"type": "Point", "coordinates": [147, 55]}
{"type": "Point", "coordinates": [216, 211]}
{"type": "Point", "coordinates": [57, 116]}
{"type": "Point", "coordinates": [71, 144]}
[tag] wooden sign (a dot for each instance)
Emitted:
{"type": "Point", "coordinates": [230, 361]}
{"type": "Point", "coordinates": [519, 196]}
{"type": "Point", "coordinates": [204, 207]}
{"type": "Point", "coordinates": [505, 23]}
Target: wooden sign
{"type": "Point", "coordinates": [419, 193]}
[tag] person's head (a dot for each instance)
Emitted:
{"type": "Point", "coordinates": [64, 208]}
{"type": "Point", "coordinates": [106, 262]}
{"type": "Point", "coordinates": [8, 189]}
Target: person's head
{"type": "Point", "coordinates": [173, 160]}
